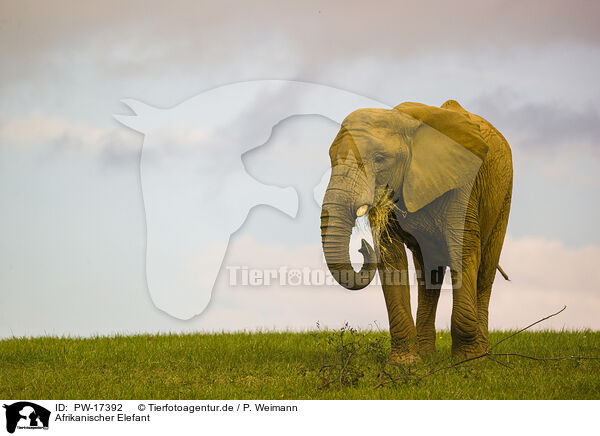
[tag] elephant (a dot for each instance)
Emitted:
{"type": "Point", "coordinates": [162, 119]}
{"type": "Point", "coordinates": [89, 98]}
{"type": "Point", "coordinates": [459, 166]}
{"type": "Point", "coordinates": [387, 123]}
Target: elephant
{"type": "Point", "coordinates": [437, 181]}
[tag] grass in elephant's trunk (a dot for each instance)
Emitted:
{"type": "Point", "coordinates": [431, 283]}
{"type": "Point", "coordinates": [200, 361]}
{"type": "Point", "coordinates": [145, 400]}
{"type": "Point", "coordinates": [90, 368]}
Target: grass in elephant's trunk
{"type": "Point", "coordinates": [379, 217]}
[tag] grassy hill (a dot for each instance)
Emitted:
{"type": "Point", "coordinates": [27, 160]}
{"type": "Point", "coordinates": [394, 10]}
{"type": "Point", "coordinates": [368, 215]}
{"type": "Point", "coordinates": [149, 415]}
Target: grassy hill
{"type": "Point", "coordinates": [287, 365]}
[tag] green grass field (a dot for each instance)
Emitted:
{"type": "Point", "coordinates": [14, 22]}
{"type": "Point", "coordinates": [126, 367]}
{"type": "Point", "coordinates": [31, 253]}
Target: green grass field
{"type": "Point", "coordinates": [286, 366]}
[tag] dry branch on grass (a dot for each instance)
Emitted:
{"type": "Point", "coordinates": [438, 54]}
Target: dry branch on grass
{"type": "Point", "coordinates": [488, 355]}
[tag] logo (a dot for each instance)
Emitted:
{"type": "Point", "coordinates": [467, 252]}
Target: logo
{"type": "Point", "coordinates": [195, 186]}
{"type": "Point", "coordinates": [26, 415]}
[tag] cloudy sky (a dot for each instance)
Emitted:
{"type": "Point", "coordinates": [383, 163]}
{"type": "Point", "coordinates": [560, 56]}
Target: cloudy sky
{"type": "Point", "coordinates": [73, 223]}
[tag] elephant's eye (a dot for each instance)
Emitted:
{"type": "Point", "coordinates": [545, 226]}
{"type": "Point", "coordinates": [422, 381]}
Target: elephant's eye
{"type": "Point", "coordinates": [379, 158]}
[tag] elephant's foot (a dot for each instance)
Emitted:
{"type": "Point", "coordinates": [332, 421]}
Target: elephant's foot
{"type": "Point", "coordinates": [483, 342]}
{"type": "Point", "coordinates": [467, 351]}
{"type": "Point", "coordinates": [403, 358]}
{"type": "Point", "coordinates": [426, 348]}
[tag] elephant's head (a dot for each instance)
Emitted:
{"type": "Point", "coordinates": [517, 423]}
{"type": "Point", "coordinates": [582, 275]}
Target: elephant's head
{"type": "Point", "coordinates": [409, 155]}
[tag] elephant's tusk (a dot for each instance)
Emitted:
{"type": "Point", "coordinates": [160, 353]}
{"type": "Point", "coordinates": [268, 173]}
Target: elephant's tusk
{"type": "Point", "coordinates": [361, 210]}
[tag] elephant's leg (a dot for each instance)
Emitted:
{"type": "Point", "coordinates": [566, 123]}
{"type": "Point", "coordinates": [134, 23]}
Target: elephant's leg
{"type": "Point", "coordinates": [490, 258]}
{"type": "Point", "coordinates": [465, 322]}
{"type": "Point", "coordinates": [485, 278]}
{"type": "Point", "coordinates": [426, 310]}
{"type": "Point", "coordinates": [393, 271]}
{"type": "Point", "coordinates": [484, 291]}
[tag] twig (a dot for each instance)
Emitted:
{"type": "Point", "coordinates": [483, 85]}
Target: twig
{"type": "Point", "coordinates": [547, 358]}
{"type": "Point", "coordinates": [383, 372]}
{"type": "Point", "coordinates": [344, 367]}
{"type": "Point", "coordinates": [376, 325]}
{"type": "Point", "coordinates": [499, 363]}
{"type": "Point", "coordinates": [326, 384]}
{"type": "Point", "coordinates": [454, 365]}
{"type": "Point", "coordinates": [525, 328]}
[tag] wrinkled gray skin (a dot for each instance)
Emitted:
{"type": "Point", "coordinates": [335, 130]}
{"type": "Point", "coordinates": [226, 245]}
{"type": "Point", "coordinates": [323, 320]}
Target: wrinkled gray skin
{"type": "Point", "coordinates": [448, 176]}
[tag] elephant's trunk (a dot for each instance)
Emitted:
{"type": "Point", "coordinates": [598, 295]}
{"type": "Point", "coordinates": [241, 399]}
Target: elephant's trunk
{"type": "Point", "coordinates": [336, 229]}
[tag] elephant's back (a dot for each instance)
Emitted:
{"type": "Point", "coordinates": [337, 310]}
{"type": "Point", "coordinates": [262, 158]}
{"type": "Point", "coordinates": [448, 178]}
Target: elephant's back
{"type": "Point", "coordinates": [496, 142]}
{"type": "Point", "coordinates": [498, 161]}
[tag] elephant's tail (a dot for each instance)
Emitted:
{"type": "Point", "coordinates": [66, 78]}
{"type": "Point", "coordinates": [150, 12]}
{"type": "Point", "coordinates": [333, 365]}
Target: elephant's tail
{"type": "Point", "coordinates": [503, 273]}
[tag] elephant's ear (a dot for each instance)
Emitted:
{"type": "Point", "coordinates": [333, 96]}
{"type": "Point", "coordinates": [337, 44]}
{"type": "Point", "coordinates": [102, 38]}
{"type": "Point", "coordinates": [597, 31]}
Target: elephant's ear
{"type": "Point", "coordinates": [446, 152]}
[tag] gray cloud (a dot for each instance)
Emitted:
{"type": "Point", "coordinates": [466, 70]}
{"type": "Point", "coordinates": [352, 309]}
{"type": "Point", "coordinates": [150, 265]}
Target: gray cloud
{"type": "Point", "coordinates": [60, 136]}
{"type": "Point", "coordinates": [541, 126]}
{"type": "Point", "coordinates": [137, 34]}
